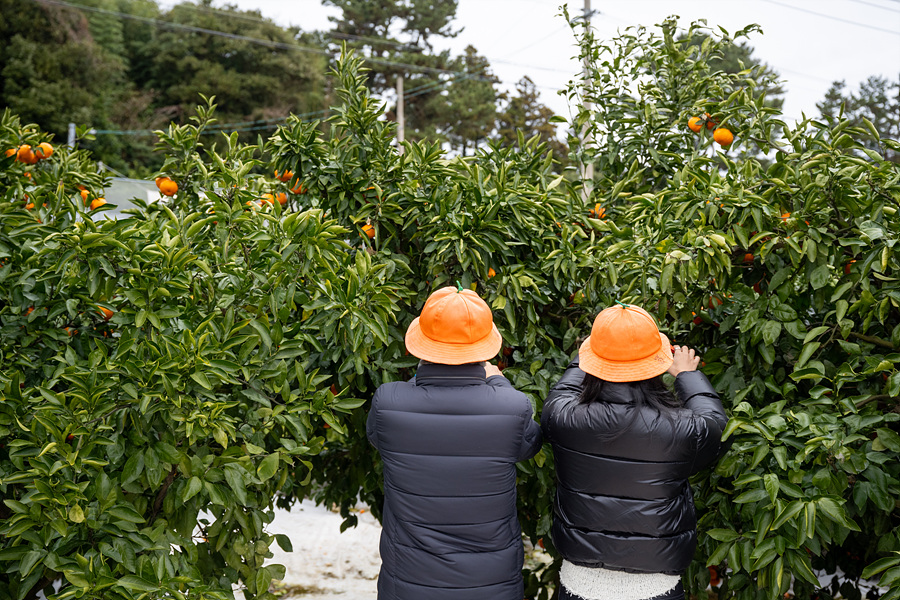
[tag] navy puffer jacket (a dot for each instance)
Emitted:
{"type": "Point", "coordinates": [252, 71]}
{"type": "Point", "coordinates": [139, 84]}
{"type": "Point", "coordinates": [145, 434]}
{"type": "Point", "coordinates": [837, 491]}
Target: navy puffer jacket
{"type": "Point", "coordinates": [625, 504]}
{"type": "Point", "coordinates": [449, 440]}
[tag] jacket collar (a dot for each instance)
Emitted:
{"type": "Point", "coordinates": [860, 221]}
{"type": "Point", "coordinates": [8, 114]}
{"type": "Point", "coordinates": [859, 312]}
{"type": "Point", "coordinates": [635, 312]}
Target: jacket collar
{"type": "Point", "coordinates": [450, 375]}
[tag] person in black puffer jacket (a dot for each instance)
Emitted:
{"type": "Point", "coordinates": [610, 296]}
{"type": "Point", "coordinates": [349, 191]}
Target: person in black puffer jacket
{"type": "Point", "coordinates": [624, 448]}
{"type": "Point", "coordinates": [449, 440]}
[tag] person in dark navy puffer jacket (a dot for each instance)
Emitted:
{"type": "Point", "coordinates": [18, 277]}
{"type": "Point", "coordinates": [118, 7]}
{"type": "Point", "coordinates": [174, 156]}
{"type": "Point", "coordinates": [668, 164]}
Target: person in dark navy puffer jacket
{"type": "Point", "coordinates": [624, 448]}
{"type": "Point", "coordinates": [449, 440]}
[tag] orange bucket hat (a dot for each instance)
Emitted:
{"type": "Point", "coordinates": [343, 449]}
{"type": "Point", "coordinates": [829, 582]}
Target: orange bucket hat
{"type": "Point", "coordinates": [625, 345]}
{"type": "Point", "coordinates": [456, 327]}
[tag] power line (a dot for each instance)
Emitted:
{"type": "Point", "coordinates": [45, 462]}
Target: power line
{"type": "Point", "coordinates": [244, 38]}
{"type": "Point", "coordinates": [875, 5]}
{"type": "Point", "coordinates": [824, 16]}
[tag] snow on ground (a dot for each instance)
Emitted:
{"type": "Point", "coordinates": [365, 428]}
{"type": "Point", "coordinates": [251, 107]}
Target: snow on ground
{"type": "Point", "coordinates": [326, 564]}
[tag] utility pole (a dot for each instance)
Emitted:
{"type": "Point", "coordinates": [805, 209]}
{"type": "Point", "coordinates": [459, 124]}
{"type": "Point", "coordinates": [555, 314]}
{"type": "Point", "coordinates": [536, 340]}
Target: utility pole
{"type": "Point", "coordinates": [401, 119]}
{"type": "Point", "coordinates": [587, 170]}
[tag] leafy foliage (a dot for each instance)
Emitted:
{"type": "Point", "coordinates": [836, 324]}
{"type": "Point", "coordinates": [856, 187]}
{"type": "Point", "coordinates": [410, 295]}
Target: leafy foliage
{"type": "Point", "coordinates": [240, 334]}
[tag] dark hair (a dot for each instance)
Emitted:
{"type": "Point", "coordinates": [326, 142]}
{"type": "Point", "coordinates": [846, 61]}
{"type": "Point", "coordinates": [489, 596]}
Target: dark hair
{"type": "Point", "coordinates": [646, 392]}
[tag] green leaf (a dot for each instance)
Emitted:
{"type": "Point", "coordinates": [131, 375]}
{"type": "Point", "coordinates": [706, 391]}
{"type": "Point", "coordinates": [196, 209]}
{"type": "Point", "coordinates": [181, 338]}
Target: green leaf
{"type": "Point", "coordinates": [126, 513]}
{"type": "Point", "coordinates": [819, 277]}
{"type": "Point", "coordinates": [890, 439]}
{"type": "Point", "coordinates": [192, 488]}
{"type": "Point", "coordinates": [76, 514]}
{"type": "Point", "coordinates": [268, 467]}
{"type": "Point", "coordinates": [284, 542]}
{"type": "Point", "coordinates": [136, 584]}
{"type": "Point", "coordinates": [880, 565]}
{"type": "Point", "coordinates": [751, 496]}
{"type": "Point", "coordinates": [201, 379]}
{"type": "Point", "coordinates": [723, 535]}
{"type": "Point", "coordinates": [770, 332]}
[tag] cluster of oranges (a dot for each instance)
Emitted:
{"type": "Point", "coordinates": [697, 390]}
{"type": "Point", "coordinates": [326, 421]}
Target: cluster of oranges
{"type": "Point", "coordinates": [85, 197]}
{"type": "Point", "coordinates": [286, 177]}
{"type": "Point", "coordinates": [721, 135]}
{"type": "Point", "coordinates": [166, 186]}
{"type": "Point", "coordinates": [30, 156]}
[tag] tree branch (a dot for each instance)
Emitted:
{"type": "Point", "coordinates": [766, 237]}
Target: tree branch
{"type": "Point", "coordinates": [877, 398]}
{"type": "Point", "coordinates": [874, 340]}
{"type": "Point", "coordinates": [157, 504]}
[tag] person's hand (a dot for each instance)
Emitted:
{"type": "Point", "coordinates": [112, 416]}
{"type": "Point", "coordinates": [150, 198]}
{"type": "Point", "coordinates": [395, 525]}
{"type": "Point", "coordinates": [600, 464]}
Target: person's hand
{"type": "Point", "coordinates": [685, 360]}
{"type": "Point", "coordinates": [491, 370]}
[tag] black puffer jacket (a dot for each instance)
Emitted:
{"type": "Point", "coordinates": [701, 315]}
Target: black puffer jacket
{"type": "Point", "coordinates": [625, 504]}
{"type": "Point", "coordinates": [450, 440]}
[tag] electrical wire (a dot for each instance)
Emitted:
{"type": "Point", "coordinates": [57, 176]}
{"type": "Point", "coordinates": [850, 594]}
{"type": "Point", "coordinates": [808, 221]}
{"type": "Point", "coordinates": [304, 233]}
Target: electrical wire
{"type": "Point", "coordinates": [842, 20]}
{"type": "Point", "coordinates": [875, 5]}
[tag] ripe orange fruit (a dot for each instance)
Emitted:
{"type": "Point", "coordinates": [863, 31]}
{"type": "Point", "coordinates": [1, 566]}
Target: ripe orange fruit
{"type": "Point", "coordinates": [847, 267]}
{"type": "Point", "coordinates": [97, 203]}
{"type": "Point", "coordinates": [267, 199]}
{"type": "Point", "coordinates": [723, 137]}
{"type": "Point", "coordinates": [29, 206]}
{"type": "Point", "coordinates": [369, 230]}
{"type": "Point", "coordinates": [709, 122]}
{"type": "Point", "coordinates": [786, 216]}
{"type": "Point", "coordinates": [748, 258]}
{"type": "Point", "coordinates": [70, 331]}
{"type": "Point", "coordinates": [25, 155]}
{"type": "Point", "coordinates": [107, 314]}
{"type": "Point", "coordinates": [84, 195]}
{"type": "Point", "coordinates": [29, 311]}
{"type": "Point", "coordinates": [286, 176]}
{"type": "Point", "coordinates": [44, 150]}
{"type": "Point", "coordinates": [282, 198]}
{"type": "Point", "coordinates": [167, 187]}
{"type": "Point", "coordinates": [695, 124]}
{"type": "Point", "coordinates": [491, 272]}
{"type": "Point", "coordinates": [10, 152]}
{"type": "Point", "coordinates": [298, 189]}
{"type": "Point", "coordinates": [598, 212]}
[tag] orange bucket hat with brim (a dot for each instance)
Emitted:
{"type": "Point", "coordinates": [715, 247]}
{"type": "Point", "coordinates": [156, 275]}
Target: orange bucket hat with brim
{"type": "Point", "coordinates": [456, 327]}
{"type": "Point", "coordinates": [625, 345]}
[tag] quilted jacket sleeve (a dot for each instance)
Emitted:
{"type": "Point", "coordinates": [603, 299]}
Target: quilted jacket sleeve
{"type": "Point", "coordinates": [371, 420]}
{"type": "Point", "coordinates": [697, 394]}
{"type": "Point", "coordinates": [531, 433]}
{"type": "Point", "coordinates": [568, 386]}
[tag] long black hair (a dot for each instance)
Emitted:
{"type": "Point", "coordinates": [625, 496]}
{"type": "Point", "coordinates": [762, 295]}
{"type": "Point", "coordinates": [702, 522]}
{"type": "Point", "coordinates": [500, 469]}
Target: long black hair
{"type": "Point", "coordinates": [651, 392]}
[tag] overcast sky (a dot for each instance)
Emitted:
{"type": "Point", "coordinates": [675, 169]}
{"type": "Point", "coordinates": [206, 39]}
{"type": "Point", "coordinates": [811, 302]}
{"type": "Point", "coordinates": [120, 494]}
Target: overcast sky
{"type": "Point", "coordinates": [809, 42]}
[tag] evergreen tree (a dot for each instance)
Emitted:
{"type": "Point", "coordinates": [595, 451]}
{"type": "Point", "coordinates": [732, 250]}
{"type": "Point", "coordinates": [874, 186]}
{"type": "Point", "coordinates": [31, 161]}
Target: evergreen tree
{"type": "Point", "coordinates": [524, 113]}
{"type": "Point", "coordinates": [877, 100]}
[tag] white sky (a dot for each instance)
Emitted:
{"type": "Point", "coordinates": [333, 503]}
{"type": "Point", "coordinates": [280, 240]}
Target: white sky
{"type": "Point", "coordinates": [809, 42]}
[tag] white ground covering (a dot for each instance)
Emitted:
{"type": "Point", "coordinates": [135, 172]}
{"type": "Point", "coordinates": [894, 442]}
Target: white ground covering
{"type": "Point", "coordinates": [327, 564]}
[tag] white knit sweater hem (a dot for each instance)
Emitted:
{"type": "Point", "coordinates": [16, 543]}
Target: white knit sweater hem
{"type": "Point", "coordinates": [603, 584]}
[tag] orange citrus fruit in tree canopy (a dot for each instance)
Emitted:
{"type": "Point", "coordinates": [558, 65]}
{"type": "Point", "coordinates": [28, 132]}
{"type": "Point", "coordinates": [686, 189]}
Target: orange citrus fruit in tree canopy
{"type": "Point", "coordinates": [70, 331]}
{"type": "Point", "coordinates": [491, 272]}
{"type": "Point", "coordinates": [167, 187]}
{"type": "Point", "coordinates": [847, 267]}
{"type": "Point", "coordinates": [84, 195]}
{"type": "Point", "coordinates": [695, 124]}
{"type": "Point", "coordinates": [29, 311]}
{"type": "Point", "coordinates": [748, 257]}
{"type": "Point", "coordinates": [786, 216]}
{"type": "Point", "coordinates": [369, 230]}
{"type": "Point", "coordinates": [267, 199]}
{"type": "Point", "coordinates": [10, 152]}
{"type": "Point", "coordinates": [282, 198]}
{"type": "Point", "coordinates": [29, 206]}
{"type": "Point", "coordinates": [709, 122]}
{"type": "Point", "coordinates": [286, 176]}
{"type": "Point", "coordinates": [723, 137]}
{"type": "Point", "coordinates": [25, 155]}
{"type": "Point", "coordinates": [107, 314]}
{"type": "Point", "coordinates": [97, 203]}
{"type": "Point", "coordinates": [44, 150]}
{"type": "Point", "coordinates": [298, 189]}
